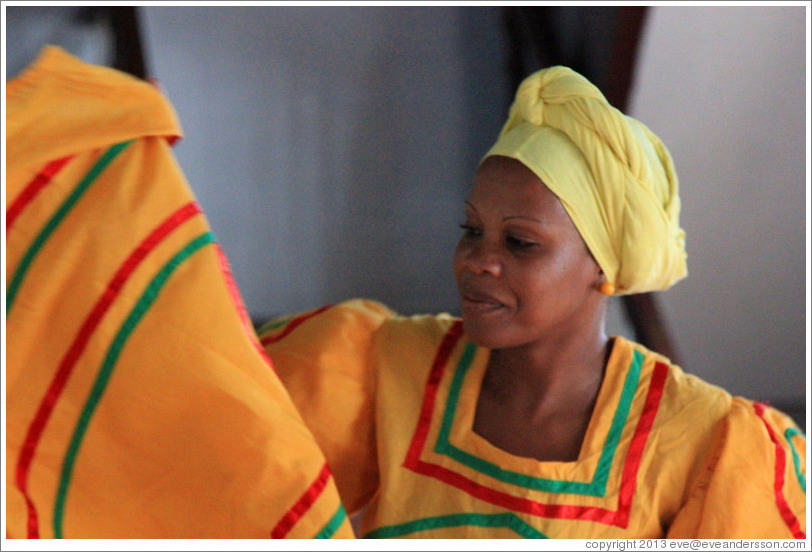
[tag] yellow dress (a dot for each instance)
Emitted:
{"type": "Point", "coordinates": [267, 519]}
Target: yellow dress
{"type": "Point", "coordinates": [391, 400]}
{"type": "Point", "coordinates": [139, 402]}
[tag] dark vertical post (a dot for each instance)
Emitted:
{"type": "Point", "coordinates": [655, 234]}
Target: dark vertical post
{"type": "Point", "coordinates": [129, 54]}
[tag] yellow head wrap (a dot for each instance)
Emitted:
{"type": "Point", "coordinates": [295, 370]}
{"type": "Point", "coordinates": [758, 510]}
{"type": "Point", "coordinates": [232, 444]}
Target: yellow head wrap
{"type": "Point", "coordinates": [612, 174]}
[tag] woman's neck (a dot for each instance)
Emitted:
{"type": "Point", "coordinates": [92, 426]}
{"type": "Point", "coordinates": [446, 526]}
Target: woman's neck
{"type": "Point", "coordinates": [537, 401]}
{"type": "Point", "coordinates": [547, 373]}
{"type": "Point", "coordinates": [564, 364]}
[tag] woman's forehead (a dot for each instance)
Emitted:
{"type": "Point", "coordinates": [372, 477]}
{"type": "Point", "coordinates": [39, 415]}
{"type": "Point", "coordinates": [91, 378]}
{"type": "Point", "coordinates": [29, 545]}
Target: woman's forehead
{"type": "Point", "coordinates": [508, 187]}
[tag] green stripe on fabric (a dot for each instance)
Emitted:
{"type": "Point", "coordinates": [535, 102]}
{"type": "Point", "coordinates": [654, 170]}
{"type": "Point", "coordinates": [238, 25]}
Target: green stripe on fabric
{"type": "Point", "coordinates": [508, 520]}
{"type": "Point", "coordinates": [144, 303]}
{"type": "Point", "coordinates": [332, 526]}
{"type": "Point", "coordinates": [273, 324]}
{"type": "Point", "coordinates": [596, 487]}
{"type": "Point", "coordinates": [788, 435]}
{"type": "Point", "coordinates": [49, 228]}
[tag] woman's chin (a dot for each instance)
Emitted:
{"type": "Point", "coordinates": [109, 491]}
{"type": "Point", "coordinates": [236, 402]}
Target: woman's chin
{"type": "Point", "coordinates": [483, 335]}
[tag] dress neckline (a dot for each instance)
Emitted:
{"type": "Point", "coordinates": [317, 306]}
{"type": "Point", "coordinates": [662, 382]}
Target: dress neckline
{"type": "Point", "coordinates": [603, 430]}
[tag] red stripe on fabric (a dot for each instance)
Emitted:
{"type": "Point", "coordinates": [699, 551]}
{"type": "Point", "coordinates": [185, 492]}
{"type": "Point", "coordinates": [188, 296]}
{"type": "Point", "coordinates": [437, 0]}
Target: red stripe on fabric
{"type": "Point", "coordinates": [293, 324]}
{"type": "Point", "coordinates": [634, 456]}
{"type": "Point", "coordinates": [780, 466]}
{"type": "Point", "coordinates": [302, 505]}
{"type": "Point", "coordinates": [37, 184]}
{"type": "Point", "coordinates": [429, 397]}
{"type": "Point", "coordinates": [65, 369]}
{"type": "Point", "coordinates": [516, 504]}
{"type": "Point", "coordinates": [236, 298]}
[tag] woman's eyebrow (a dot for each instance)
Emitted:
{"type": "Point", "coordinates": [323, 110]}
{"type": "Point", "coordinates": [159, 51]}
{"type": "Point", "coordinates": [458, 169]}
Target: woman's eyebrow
{"type": "Point", "coordinates": [523, 217]}
{"type": "Point", "coordinates": [510, 217]}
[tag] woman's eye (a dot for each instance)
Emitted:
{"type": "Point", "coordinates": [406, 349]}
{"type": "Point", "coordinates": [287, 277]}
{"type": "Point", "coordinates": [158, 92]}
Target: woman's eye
{"type": "Point", "coordinates": [471, 231]}
{"type": "Point", "coordinates": [518, 243]}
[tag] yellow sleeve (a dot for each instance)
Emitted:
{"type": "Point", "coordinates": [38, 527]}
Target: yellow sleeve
{"type": "Point", "coordinates": [322, 357]}
{"type": "Point", "coordinates": [139, 402]}
{"type": "Point", "coordinates": [754, 483]}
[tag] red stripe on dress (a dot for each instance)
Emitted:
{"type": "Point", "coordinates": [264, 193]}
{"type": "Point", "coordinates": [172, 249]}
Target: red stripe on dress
{"type": "Point", "coordinates": [70, 359]}
{"type": "Point", "coordinates": [429, 397]}
{"type": "Point", "coordinates": [780, 465]}
{"type": "Point", "coordinates": [236, 298]}
{"type": "Point", "coordinates": [634, 456]}
{"type": "Point", "coordinates": [631, 466]}
{"type": "Point", "coordinates": [293, 324]}
{"type": "Point", "coordinates": [516, 504]}
{"type": "Point", "coordinates": [43, 178]}
{"type": "Point", "coordinates": [302, 505]}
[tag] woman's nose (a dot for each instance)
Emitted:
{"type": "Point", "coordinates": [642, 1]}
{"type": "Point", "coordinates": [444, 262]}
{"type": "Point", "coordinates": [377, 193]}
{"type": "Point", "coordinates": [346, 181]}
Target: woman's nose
{"type": "Point", "coordinates": [484, 258]}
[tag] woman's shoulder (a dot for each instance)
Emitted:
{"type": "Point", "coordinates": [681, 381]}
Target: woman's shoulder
{"type": "Point", "coordinates": [359, 320]}
{"type": "Point", "coordinates": [428, 328]}
{"type": "Point", "coordinates": [689, 403]}
{"type": "Point", "coordinates": [358, 315]}
{"type": "Point", "coordinates": [681, 391]}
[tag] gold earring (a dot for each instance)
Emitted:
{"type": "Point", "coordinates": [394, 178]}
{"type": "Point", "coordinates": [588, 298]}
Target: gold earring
{"type": "Point", "coordinates": [607, 288]}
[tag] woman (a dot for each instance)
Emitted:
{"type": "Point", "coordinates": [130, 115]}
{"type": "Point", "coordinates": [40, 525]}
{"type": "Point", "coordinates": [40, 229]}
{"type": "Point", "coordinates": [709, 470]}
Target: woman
{"type": "Point", "coordinates": [523, 418]}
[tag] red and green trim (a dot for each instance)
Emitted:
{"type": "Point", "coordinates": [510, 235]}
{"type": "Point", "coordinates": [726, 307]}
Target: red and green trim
{"type": "Point", "coordinates": [60, 214]}
{"type": "Point", "coordinates": [77, 347]}
{"type": "Point", "coordinates": [781, 503]}
{"type": "Point", "coordinates": [290, 325]}
{"type": "Point", "coordinates": [618, 517]}
{"type": "Point", "coordinates": [143, 304]}
{"type": "Point", "coordinates": [444, 352]}
{"type": "Point", "coordinates": [507, 520]}
{"type": "Point", "coordinates": [273, 324]}
{"type": "Point", "coordinates": [298, 510]}
{"type": "Point", "coordinates": [597, 487]}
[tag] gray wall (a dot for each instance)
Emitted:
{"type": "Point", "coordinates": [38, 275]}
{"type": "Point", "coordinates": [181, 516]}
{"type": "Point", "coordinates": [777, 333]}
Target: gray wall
{"type": "Point", "coordinates": [332, 146]}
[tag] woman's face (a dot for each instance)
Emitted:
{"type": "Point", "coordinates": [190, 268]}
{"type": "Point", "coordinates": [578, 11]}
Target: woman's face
{"type": "Point", "coordinates": [523, 271]}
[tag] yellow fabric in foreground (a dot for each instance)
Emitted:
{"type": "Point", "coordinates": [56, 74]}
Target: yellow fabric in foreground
{"type": "Point", "coordinates": [139, 402]}
{"type": "Point", "coordinates": [391, 400]}
{"type": "Point", "coordinates": [614, 177]}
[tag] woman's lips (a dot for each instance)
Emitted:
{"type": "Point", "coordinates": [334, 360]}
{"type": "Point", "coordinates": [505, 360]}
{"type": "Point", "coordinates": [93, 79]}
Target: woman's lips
{"type": "Point", "coordinates": [477, 302]}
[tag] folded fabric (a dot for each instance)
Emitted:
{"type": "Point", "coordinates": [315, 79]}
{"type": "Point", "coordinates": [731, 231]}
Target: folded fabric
{"type": "Point", "coordinates": [139, 401]}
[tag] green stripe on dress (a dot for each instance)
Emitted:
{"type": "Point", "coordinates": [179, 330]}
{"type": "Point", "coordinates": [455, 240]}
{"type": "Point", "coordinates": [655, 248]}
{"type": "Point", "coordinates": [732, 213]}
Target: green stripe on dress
{"type": "Point", "coordinates": [52, 224]}
{"type": "Point", "coordinates": [796, 460]}
{"type": "Point", "coordinates": [508, 520]}
{"type": "Point", "coordinates": [144, 303]}
{"type": "Point", "coordinates": [597, 487]}
{"type": "Point", "coordinates": [332, 526]}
